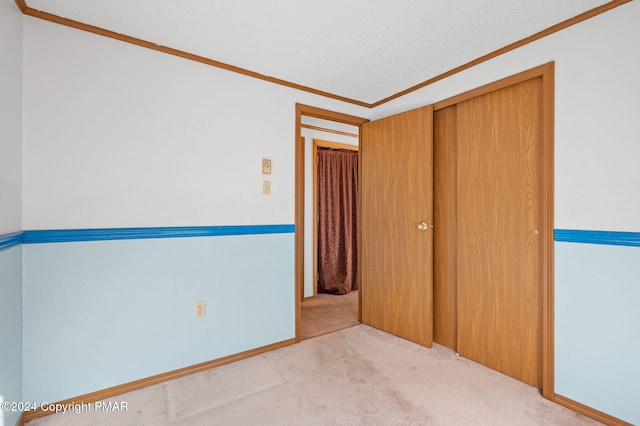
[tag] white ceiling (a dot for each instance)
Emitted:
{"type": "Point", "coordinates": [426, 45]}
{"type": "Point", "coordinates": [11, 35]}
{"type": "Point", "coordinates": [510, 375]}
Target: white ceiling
{"type": "Point", "coordinates": [365, 50]}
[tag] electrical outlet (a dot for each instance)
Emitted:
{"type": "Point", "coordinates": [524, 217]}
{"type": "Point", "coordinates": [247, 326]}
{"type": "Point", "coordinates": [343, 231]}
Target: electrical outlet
{"type": "Point", "coordinates": [201, 309]}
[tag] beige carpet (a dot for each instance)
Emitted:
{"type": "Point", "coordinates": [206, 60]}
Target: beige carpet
{"type": "Point", "coordinates": [356, 376]}
{"type": "Point", "coordinates": [328, 313]}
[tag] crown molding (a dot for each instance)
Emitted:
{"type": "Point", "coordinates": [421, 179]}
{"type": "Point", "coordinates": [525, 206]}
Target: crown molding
{"type": "Point", "coordinates": [537, 36]}
{"type": "Point", "coordinates": [25, 9]}
{"type": "Point", "coordinates": [46, 16]}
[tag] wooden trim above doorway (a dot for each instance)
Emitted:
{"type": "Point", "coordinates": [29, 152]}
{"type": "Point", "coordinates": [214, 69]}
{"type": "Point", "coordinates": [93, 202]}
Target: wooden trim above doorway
{"type": "Point", "coordinates": [325, 114]}
{"type": "Point", "coordinates": [323, 129]}
{"type": "Point", "coordinates": [317, 143]}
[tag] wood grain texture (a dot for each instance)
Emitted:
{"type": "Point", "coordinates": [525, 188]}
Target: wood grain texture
{"type": "Point", "coordinates": [396, 195]}
{"type": "Point", "coordinates": [500, 194]}
{"type": "Point", "coordinates": [539, 71]}
{"type": "Point", "coordinates": [444, 210]}
{"type": "Point", "coordinates": [548, 164]}
{"type": "Point", "coordinates": [299, 222]}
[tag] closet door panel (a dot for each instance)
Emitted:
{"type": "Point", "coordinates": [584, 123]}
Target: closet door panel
{"type": "Point", "coordinates": [444, 210]}
{"type": "Point", "coordinates": [499, 187]}
{"type": "Point", "coordinates": [396, 186]}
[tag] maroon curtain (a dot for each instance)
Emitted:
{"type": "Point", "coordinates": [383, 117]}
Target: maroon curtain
{"type": "Point", "coordinates": [337, 221]}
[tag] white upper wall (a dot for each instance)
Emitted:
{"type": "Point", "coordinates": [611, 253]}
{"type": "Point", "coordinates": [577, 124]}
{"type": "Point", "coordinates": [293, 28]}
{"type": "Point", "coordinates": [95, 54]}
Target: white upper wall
{"type": "Point", "coordinates": [597, 130]}
{"type": "Point", "coordinates": [10, 117]}
{"type": "Point", "coordinates": [117, 135]}
{"type": "Point", "coordinates": [121, 136]}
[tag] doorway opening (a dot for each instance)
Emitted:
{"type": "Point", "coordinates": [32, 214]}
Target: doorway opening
{"type": "Point", "coordinates": [318, 129]}
{"type": "Point", "coordinates": [333, 303]}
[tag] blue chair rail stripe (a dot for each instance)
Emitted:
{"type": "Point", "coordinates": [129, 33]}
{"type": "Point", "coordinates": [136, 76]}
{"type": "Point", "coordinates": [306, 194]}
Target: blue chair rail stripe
{"type": "Point", "coordinates": [71, 235]}
{"type": "Point", "coordinates": [614, 238]}
{"type": "Point", "coordinates": [10, 240]}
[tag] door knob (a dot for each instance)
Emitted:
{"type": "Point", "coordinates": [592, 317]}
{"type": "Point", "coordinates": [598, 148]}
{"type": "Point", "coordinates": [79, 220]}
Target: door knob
{"type": "Point", "coordinates": [423, 226]}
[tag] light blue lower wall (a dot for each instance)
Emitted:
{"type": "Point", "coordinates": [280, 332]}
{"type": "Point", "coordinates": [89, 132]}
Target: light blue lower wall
{"type": "Point", "coordinates": [102, 313]}
{"type": "Point", "coordinates": [597, 327]}
{"type": "Point", "coordinates": [10, 330]}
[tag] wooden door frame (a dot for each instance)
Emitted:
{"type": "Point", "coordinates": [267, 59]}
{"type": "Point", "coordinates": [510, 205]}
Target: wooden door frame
{"type": "Point", "coordinates": [546, 72]}
{"type": "Point", "coordinates": [325, 114]}
{"type": "Point", "coordinates": [318, 143]}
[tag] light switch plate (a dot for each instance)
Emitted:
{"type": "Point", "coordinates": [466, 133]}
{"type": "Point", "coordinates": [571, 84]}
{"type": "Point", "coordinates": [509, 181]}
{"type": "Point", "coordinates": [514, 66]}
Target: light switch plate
{"type": "Point", "coordinates": [266, 166]}
{"type": "Point", "coordinates": [266, 187]}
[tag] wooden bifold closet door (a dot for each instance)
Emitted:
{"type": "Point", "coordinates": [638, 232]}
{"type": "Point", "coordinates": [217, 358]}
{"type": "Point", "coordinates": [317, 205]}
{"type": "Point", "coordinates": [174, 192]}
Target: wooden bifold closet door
{"type": "Point", "coordinates": [488, 289]}
{"type": "Point", "coordinates": [499, 189]}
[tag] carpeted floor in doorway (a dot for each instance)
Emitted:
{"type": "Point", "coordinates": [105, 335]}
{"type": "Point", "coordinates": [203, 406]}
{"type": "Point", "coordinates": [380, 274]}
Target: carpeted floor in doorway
{"type": "Point", "coordinates": [328, 313]}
